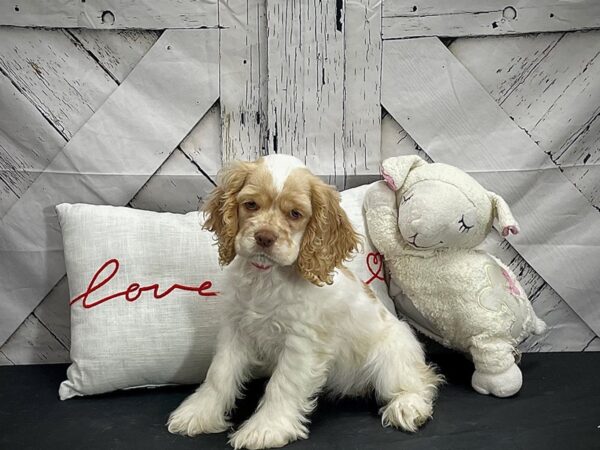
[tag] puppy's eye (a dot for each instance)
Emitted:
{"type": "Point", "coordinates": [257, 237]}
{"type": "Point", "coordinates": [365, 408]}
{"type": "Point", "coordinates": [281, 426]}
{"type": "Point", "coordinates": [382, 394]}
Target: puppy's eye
{"type": "Point", "coordinates": [251, 206]}
{"type": "Point", "coordinates": [406, 198]}
{"type": "Point", "coordinates": [464, 228]}
{"type": "Point", "coordinates": [295, 214]}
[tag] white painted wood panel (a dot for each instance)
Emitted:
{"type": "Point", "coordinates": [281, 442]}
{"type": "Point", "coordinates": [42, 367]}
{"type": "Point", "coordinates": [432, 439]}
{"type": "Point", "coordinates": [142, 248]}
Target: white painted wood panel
{"type": "Point", "coordinates": [4, 361]}
{"type": "Point", "coordinates": [117, 52]}
{"type": "Point", "coordinates": [593, 345]}
{"type": "Point", "coordinates": [361, 137]}
{"type": "Point", "coordinates": [243, 78]}
{"type": "Point", "coordinates": [456, 18]}
{"type": "Point", "coordinates": [203, 144]}
{"type": "Point", "coordinates": [22, 347]}
{"type": "Point", "coordinates": [112, 14]}
{"type": "Point", "coordinates": [60, 78]}
{"type": "Point", "coordinates": [54, 313]}
{"type": "Point", "coordinates": [306, 81]}
{"type": "Point", "coordinates": [553, 94]}
{"type": "Point", "coordinates": [177, 186]}
{"type": "Point", "coordinates": [27, 144]}
{"type": "Point", "coordinates": [566, 330]}
{"type": "Point", "coordinates": [439, 103]}
{"type": "Point", "coordinates": [154, 108]}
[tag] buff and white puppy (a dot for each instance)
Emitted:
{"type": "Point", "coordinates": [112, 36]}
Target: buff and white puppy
{"type": "Point", "coordinates": [294, 313]}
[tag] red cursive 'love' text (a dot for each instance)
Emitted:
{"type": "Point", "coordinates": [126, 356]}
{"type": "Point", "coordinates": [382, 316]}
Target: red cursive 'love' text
{"type": "Point", "coordinates": [134, 290]}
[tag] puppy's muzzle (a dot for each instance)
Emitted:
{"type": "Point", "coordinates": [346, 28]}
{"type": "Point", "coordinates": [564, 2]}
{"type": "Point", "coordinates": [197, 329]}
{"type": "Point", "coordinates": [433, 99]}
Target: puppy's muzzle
{"type": "Point", "coordinates": [265, 238]}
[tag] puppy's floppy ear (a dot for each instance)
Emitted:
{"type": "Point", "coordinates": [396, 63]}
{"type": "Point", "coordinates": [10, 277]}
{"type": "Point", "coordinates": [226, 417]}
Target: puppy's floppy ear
{"type": "Point", "coordinates": [329, 238]}
{"type": "Point", "coordinates": [506, 221]}
{"type": "Point", "coordinates": [221, 208]}
{"type": "Point", "coordinates": [395, 170]}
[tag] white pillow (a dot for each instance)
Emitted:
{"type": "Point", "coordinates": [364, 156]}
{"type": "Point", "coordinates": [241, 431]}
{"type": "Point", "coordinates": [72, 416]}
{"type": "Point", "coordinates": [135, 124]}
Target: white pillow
{"type": "Point", "coordinates": [124, 337]}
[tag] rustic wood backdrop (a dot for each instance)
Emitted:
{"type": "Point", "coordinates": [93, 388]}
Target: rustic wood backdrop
{"type": "Point", "coordinates": [138, 103]}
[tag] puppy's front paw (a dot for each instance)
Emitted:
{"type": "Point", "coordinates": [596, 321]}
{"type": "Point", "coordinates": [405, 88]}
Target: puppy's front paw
{"type": "Point", "coordinates": [260, 432]}
{"type": "Point", "coordinates": [407, 411]}
{"type": "Point", "coordinates": [193, 418]}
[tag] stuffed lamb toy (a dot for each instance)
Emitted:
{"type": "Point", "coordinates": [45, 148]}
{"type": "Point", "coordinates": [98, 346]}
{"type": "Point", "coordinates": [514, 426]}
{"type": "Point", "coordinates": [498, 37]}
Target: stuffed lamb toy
{"type": "Point", "coordinates": [462, 297]}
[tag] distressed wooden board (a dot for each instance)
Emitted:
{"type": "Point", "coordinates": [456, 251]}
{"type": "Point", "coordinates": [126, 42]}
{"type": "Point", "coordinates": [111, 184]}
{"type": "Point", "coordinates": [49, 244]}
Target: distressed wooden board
{"type": "Point", "coordinates": [549, 85]}
{"type": "Point", "coordinates": [203, 144]}
{"type": "Point", "coordinates": [566, 329]}
{"type": "Point", "coordinates": [448, 113]}
{"type": "Point", "coordinates": [151, 112]}
{"type": "Point", "coordinates": [117, 52]}
{"type": "Point", "coordinates": [33, 344]}
{"type": "Point", "coordinates": [306, 81]}
{"type": "Point", "coordinates": [403, 18]}
{"type": "Point", "coordinates": [361, 138]}
{"type": "Point", "coordinates": [243, 78]}
{"type": "Point", "coordinates": [4, 361]}
{"type": "Point", "coordinates": [177, 186]}
{"type": "Point", "coordinates": [113, 14]}
{"type": "Point", "coordinates": [60, 78]}
{"type": "Point", "coordinates": [54, 312]}
{"type": "Point", "coordinates": [593, 345]}
{"type": "Point", "coordinates": [27, 144]}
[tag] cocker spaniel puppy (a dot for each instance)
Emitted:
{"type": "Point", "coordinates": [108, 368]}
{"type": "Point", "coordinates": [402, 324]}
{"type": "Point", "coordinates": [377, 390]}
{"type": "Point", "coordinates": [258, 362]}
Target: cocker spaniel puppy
{"type": "Point", "coordinates": [294, 313]}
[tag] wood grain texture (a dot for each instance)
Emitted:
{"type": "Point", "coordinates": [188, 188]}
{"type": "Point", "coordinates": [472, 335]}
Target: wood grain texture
{"type": "Point", "coordinates": [203, 144]}
{"type": "Point", "coordinates": [33, 344]}
{"type": "Point", "coordinates": [448, 113]}
{"type": "Point", "coordinates": [60, 78]}
{"type": "Point", "coordinates": [548, 84]}
{"type": "Point", "coordinates": [593, 345]}
{"type": "Point", "coordinates": [404, 18]}
{"type": "Point", "coordinates": [243, 78]}
{"type": "Point", "coordinates": [4, 361]}
{"type": "Point", "coordinates": [54, 314]}
{"type": "Point", "coordinates": [361, 137]}
{"type": "Point", "coordinates": [27, 144]}
{"type": "Point", "coordinates": [117, 52]}
{"type": "Point", "coordinates": [177, 186]}
{"type": "Point", "coordinates": [153, 110]}
{"type": "Point", "coordinates": [306, 83]}
{"type": "Point", "coordinates": [566, 330]}
{"type": "Point", "coordinates": [111, 14]}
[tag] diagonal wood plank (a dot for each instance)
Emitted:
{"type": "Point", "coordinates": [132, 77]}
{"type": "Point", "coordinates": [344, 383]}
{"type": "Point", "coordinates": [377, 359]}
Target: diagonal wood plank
{"type": "Point", "coordinates": [548, 84]}
{"type": "Point", "coordinates": [117, 52]}
{"type": "Point", "coordinates": [243, 78]}
{"type": "Point", "coordinates": [450, 115]}
{"type": "Point", "coordinates": [27, 144]}
{"type": "Point", "coordinates": [21, 347]}
{"type": "Point", "coordinates": [111, 14]}
{"type": "Point", "coordinates": [4, 361]}
{"type": "Point", "coordinates": [126, 140]}
{"type": "Point", "coordinates": [408, 18]}
{"type": "Point", "coordinates": [60, 78]}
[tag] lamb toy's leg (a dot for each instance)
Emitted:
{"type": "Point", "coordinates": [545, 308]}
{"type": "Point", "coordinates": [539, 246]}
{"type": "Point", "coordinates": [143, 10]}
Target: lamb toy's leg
{"type": "Point", "coordinates": [495, 370]}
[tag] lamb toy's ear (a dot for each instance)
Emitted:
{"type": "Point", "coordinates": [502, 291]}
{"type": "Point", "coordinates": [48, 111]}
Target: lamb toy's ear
{"type": "Point", "coordinates": [506, 221]}
{"type": "Point", "coordinates": [395, 170]}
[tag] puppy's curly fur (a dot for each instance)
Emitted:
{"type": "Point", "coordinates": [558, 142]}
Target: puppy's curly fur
{"type": "Point", "coordinates": [294, 313]}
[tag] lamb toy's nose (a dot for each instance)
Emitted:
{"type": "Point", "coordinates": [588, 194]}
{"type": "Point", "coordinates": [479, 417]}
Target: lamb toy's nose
{"type": "Point", "coordinates": [265, 238]}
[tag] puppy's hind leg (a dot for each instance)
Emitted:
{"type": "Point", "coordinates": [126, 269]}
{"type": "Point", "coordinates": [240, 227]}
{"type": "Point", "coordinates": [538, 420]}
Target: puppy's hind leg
{"type": "Point", "coordinates": [402, 379]}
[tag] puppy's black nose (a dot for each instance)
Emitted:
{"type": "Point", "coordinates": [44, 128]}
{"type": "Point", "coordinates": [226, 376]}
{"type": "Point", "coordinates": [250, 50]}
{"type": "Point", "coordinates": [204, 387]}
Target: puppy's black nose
{"type": "Point", "coordinates": [265, 238]}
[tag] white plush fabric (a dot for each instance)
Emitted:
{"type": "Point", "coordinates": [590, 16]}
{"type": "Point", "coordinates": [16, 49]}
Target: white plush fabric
{"type": "Point", "coordinates": [462, 297]}
{"type": "Point", "coordinates": [119, 344]}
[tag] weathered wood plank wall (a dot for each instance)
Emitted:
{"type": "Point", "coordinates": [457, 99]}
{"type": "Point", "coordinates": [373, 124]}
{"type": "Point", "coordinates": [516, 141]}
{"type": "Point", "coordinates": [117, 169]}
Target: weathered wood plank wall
{"type": "Point", "coordinates": [545, 83]}
{"type": "Point", "coordinates": [459, 18]}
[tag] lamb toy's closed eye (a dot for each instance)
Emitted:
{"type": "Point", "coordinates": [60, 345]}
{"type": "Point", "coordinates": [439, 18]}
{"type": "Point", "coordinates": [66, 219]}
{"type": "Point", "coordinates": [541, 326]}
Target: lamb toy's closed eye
{"type": "Point", "coordinates": [427, 219]}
